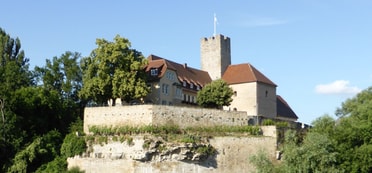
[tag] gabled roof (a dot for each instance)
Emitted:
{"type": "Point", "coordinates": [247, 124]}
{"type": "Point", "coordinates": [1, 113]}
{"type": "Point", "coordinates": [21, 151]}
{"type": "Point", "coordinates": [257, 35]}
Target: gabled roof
{"type": "Point", "coordinates": [184, 73]}
{"type": "Point", "coordinates": [244, 73]}
{"type": "Point", "coordinates": [283, 109]}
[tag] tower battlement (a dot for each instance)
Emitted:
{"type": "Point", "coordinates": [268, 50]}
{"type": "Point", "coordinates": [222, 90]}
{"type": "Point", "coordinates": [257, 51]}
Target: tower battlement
{"type": "Point", "coordinates": [218, 37]}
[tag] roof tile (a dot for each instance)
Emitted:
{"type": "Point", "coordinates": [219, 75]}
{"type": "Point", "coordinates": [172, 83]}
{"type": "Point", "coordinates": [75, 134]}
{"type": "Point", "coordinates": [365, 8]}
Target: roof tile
{"type": "Point", "coordinates": [244, 73]}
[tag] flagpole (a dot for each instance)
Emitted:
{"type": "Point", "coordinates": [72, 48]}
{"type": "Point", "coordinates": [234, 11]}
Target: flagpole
{"type": "Point", "coordinates": [215, 25]}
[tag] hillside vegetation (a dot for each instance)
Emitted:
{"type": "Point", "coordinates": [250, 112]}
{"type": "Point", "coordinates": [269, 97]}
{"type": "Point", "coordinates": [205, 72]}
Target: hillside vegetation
{"type": "Point", "coordinates": [331, 145]}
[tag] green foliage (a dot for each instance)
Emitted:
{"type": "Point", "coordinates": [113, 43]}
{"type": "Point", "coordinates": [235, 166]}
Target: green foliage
{"type": "Point", "coordinates": [281, 124]}
{"type": "Point", "coordinates": [73, 145]}
{"type": "Point", "coordinates": [62, 74]}
{"type": "Point", "coordinates": [324, 125]}
{"type": "Point", "coordinates": [343, 145]}
{"type": "Point", "coordinates": [215, 95]}
{"type": "Point", "coordinates": [114, 70]}
{"type": "Point", "coordinates": [36, 106]}
{"type": "Point", "coordinates": [172, 129]}
{"type": "Point", "coordinates": [189, 139]}
{"type": "Point", "coordinates": [75, 170]}
{"type": "Point", "coordinates": [268, 122]}
{"type": "Point", "coordinates": [14, 73]}
{"type": "Point", "coordinates": [41, 150]}
{"type": "Point", "coordinates": [206, 150]}
{"type": "Point", "coordinates": [262, 162]}
{"type": "Point", "coordinates": [59, 164]}
{"type": "Point", "coordinates": [317, 153]}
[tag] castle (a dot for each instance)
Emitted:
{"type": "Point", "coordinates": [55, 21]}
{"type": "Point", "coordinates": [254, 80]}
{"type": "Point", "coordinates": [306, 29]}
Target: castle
{"type": "Point", "coordinates": [173, 83]}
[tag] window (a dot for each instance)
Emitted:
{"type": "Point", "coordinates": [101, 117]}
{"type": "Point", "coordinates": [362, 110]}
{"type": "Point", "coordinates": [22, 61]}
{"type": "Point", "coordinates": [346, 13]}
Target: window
{"type": "Point", "coordinates": [165, 88]}
{"type": "Point", "coordinates": [154, 72]}
{"type": "Point", "coordinates": [163, 102]}
{"type": "Point", "coordinates": [198, 87]}
{"type": "Point", "coordinates": [235, 93]}
{"type": "Point", "coordinates": [191, 85]}
{"type": "Point", "coordinates": [170, 75]}
{"type": "Point", "coordinates": [266, 93]}
{"type": "Point", "coordinates": [178, 92]}
{"type": "Point", "coordinates": [184, 83]}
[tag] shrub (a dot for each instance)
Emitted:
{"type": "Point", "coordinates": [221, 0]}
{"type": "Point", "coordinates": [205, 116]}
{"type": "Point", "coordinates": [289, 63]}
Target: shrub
{"type": "Point", "coordinates": [73, 145]}
{"type": "Point", "coordinates": [268, 122]}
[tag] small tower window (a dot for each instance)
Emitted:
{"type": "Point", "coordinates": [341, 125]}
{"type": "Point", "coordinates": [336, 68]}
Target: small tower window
{"type": "Point", "coordinates": [235, 93]}
{"type": "Point", "coordinates": [154, 72]}
{"type": "Point", "coordinates": [266, 93]}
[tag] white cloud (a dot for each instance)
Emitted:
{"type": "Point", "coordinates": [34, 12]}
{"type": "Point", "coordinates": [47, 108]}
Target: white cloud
{"type": "Point", "coordinates": [337, 87]}
{"type": "Point", "coordinates": [261, 21]}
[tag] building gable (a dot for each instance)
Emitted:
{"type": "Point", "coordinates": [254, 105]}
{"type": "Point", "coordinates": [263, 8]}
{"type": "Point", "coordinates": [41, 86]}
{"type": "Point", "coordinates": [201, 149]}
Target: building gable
{"type": "Point", "coordinates": [245, 73]}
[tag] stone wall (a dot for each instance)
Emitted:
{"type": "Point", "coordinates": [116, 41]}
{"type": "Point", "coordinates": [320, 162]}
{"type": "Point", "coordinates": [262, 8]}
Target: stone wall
{"type": "Point", "coordinates": [117, 115]}
{"type": "Point", "coordinates": [233, 155]}
{"type": "Point", "coordinates": [189, 117]}
{"type": "Point", "coordinates": [138, 115]}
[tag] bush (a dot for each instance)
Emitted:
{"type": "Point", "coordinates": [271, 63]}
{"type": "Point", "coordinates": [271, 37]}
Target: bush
{"type": "Point", "coordinates": [73, 145]}
{"type": "Point", "coordinates": [268, 122]}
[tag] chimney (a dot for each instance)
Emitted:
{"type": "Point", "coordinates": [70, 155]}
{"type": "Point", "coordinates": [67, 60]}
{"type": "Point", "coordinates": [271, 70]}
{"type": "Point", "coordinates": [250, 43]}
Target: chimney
{"type": "Point", "coordinates": [185, 65]}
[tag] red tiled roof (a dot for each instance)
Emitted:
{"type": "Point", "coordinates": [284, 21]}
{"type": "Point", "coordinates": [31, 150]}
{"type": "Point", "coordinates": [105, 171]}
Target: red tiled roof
{"type": "Point", "coordinates": [244, 73]}
{"type": "Point", "coordinates": [184, 73]}
{"type": "Point", "coordinates": [283, 109]}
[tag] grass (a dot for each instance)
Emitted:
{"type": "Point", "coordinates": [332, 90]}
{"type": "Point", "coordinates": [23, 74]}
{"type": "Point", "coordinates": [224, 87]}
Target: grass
{"type": "Point", "coordinates": [173, 129]}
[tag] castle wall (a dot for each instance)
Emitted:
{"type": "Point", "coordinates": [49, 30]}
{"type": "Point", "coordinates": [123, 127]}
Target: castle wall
{"type": "Point", "coordinates": [117, 115]}
{"type": "Point", "coordinates": [245, 99]}
{"type": "Point", "coordinates": [138, 115]}
{"type": "Point", "coordinates": [189, 117]}
{"type": "Point", "coordinates": [255, 98]}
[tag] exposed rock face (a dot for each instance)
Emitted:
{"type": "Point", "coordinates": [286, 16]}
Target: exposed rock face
{"type": "Point", "coordinates": [151, 154]}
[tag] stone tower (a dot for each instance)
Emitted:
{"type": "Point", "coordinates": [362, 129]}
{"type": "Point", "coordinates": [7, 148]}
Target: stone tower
{"type": "Point", "coordinates": [215, 54]}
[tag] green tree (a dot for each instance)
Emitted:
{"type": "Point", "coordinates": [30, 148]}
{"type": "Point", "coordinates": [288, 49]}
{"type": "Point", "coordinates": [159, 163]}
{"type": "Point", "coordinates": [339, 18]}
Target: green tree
{"type": "Point", "coordinates": [342, 145]}
{"type": "Point", "coordinates": [353, 133]}
{"type": "Point", "coordinates": [215, 95]}
{"type": "Point", "coordinates": [114, 70]}
{"type": "Point", "coordinates": [62, 74]}
{"type": "Point", "coordinates": [317, 153]}
{"type": "Point", "coordinates": [14, 74]}
{"type": "Point", "coordinates": [42, 149]}
{"type": "Point", "coordinates": [262, 162]}
{"type": "Point", "coordinates": [38, 110]}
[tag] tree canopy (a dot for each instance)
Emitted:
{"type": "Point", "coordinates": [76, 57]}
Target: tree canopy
{"type": "Point", "coordinates": [114, 70]}
{"type": "Point", "coordinates": [215, 95]}
{"type": "Point", "coordinates": [37, 107]}
{"type": "Point", "coordinates": [342, 145]}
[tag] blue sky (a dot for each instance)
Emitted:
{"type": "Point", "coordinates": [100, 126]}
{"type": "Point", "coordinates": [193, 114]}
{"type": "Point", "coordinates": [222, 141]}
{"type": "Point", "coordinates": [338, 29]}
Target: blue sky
{"type": "Point", "coordinates": [318, 52]}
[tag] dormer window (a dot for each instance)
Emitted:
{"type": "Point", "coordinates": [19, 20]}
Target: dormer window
{"type": "Point", "coordinates": [184, 83]}
{"type": "Point", "coordinates": [197, 87]}
{"type": "Point", "coordinates": [154, 72]}
{"type": "Point", "coordinates": [191, 85]}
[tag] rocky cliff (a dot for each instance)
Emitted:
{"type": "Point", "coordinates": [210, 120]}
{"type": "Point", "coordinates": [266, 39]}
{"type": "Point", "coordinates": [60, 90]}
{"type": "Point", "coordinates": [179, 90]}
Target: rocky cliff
{"type": "Point", "coordinates": [146, 153]}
